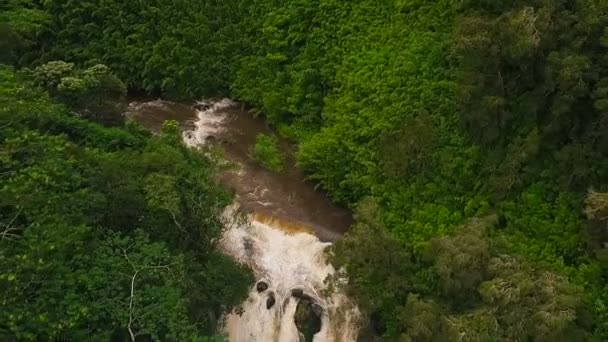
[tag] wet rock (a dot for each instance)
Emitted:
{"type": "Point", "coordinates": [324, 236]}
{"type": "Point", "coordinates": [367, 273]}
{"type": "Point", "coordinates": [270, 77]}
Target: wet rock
{"type": "Point", "coordinates": [285, 303]}
{"type": "Point", "coordinates": [308, 318]}
{"type": "Point", "coordinates": [228, 141]}
{"type": "Point", "coordinates": [270, 301]}
{"type": "Point", "coordinates": [261, 286]}
{"type": "Point", "coordinates": [317, 309]}
{"type": "Point", "coordinates": [248, 244]}
{"type": "Point", "coordinates": [297, 293]}
{"type": "Point", "coordinates": [201, 106]}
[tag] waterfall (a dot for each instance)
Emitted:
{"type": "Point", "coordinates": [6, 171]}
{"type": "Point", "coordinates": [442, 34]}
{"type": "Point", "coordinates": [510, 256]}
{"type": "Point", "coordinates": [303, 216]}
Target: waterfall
{"type": "Point", "coordinates": [285, 261]}
{"type": "Point", "coordinates": [282, 257]}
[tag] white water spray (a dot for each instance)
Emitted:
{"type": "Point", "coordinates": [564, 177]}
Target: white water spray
{"type": "Point", "coordinates": [209, 121]}
{"type": "Point", "coordinates": [284, 260]}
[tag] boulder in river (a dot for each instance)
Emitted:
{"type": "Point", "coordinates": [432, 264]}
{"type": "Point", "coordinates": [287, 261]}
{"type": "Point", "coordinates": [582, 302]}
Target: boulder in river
{"type": "Point", "coordinates": [261, 286]}
{"type": "Point", "coordinates": [270, 301]}
{"type": "Point", "coordinates": [201, 106]}
{"type": "Point", "coordinates": [308, 318]}
{"type": "Point", "coordinates": [297, 293]}
{"type": "Point", "coordinates": [317, 309]}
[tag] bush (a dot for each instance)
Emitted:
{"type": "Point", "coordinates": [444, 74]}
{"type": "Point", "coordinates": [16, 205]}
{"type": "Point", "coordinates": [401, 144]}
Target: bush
{"type": "Point", "coordinates": [267, 152]}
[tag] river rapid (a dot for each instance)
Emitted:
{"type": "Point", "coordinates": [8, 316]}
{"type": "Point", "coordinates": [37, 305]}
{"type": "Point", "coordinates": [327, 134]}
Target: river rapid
{"type": "Point", "coordinates": [279, 225]}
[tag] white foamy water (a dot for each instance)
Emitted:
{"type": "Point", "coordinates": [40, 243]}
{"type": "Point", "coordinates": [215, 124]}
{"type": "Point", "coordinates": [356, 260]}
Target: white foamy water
{"type": "Point", "coordinates": [283, 260]}
{"type": "Point", "coordinates": [136, 106]}
{"type": "Point", "coordinates": [209, 122]}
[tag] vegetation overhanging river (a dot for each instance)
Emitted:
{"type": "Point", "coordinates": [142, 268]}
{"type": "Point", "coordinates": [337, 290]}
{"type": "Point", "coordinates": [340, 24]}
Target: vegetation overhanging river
{"type": "Point", "coordinates": [288, 228]}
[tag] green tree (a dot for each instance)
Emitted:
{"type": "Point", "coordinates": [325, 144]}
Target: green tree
{"type": "Point", "coordinates": [423, 321]}
{"type": "Point", "coordinates": [95, 93]}
{"type": "Point", "coordinates": [461, 261]}
{"type": "Point", "coordinates": [21, 24]}
{"type": "Point", "coordinates": [267, 152]}
{"type": "Point", "coordinates": [596, 209]}
{"type": "Point", "coordinates": [442, 110]}
{"type": "Point", "coordinates": [86, 245]}
{"type": "Point", "coordinates": [532, 304]}
{"type": "Point", "coordinates": [379, 268]}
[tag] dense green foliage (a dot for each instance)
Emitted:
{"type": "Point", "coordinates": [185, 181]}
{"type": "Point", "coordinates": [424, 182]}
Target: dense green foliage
{"type": "Point", "coordinates": [461, 289]}
{"type": "Point", "coordinates": [267, 152]}
{"type": "Point", "coordinates": [174, 47]}
{"type": "Point", "coordinates": [95, 93]}
{"type": "Point", "coordinates": [105, 231]}
{"type": "Point", "coordinates": [445, 111]}
{"type": "Point", "coordinates": [21, 25]}
{"type": "Point", "coordinates": [441, 111]}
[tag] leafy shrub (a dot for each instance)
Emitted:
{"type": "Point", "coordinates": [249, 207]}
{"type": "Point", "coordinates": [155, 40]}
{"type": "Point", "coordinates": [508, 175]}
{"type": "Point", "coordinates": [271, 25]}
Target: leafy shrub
{"type": "Point", "coordinates": [267, 152]}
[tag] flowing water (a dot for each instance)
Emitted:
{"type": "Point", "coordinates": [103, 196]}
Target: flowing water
{"type": "Point", "coordinates": [287, 229]}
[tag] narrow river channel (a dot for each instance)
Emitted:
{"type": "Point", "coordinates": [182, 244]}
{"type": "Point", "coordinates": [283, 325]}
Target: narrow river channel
{"type": "Point", "coordinates": [284, 237]}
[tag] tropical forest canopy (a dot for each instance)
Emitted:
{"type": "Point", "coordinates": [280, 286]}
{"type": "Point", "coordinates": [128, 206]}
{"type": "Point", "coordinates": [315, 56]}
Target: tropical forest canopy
{"type": "Point", "coordinates": [470, 137]}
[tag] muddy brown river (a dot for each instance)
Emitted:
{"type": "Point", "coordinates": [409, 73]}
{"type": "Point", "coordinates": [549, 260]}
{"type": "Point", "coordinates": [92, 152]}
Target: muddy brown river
{"type": "Point", "coordinates": [285, 197]}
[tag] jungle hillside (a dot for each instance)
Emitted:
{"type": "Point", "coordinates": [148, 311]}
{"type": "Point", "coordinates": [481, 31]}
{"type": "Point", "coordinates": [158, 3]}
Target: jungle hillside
{"type": "Point", "coordinates": [470, 139]}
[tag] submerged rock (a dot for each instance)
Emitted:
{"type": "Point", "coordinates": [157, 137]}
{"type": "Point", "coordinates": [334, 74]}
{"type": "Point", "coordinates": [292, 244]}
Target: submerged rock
{"type": "Point", "coordinates": [317, 309]}
{"type": "Point", "coordinates": [261, 286]}
{"type": "Point", "coordinates": [285, 303]}
{"type": "Point", "coordinates": [248, 244]}
{"type": "Point", "coordinates": [308, 317]}
{"type": "Point", "coordinates": [297, 293]}
{"type": "Point", "coordinates": [270, 301]}
{"type": "Point", "coordinates": [201, 106]}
